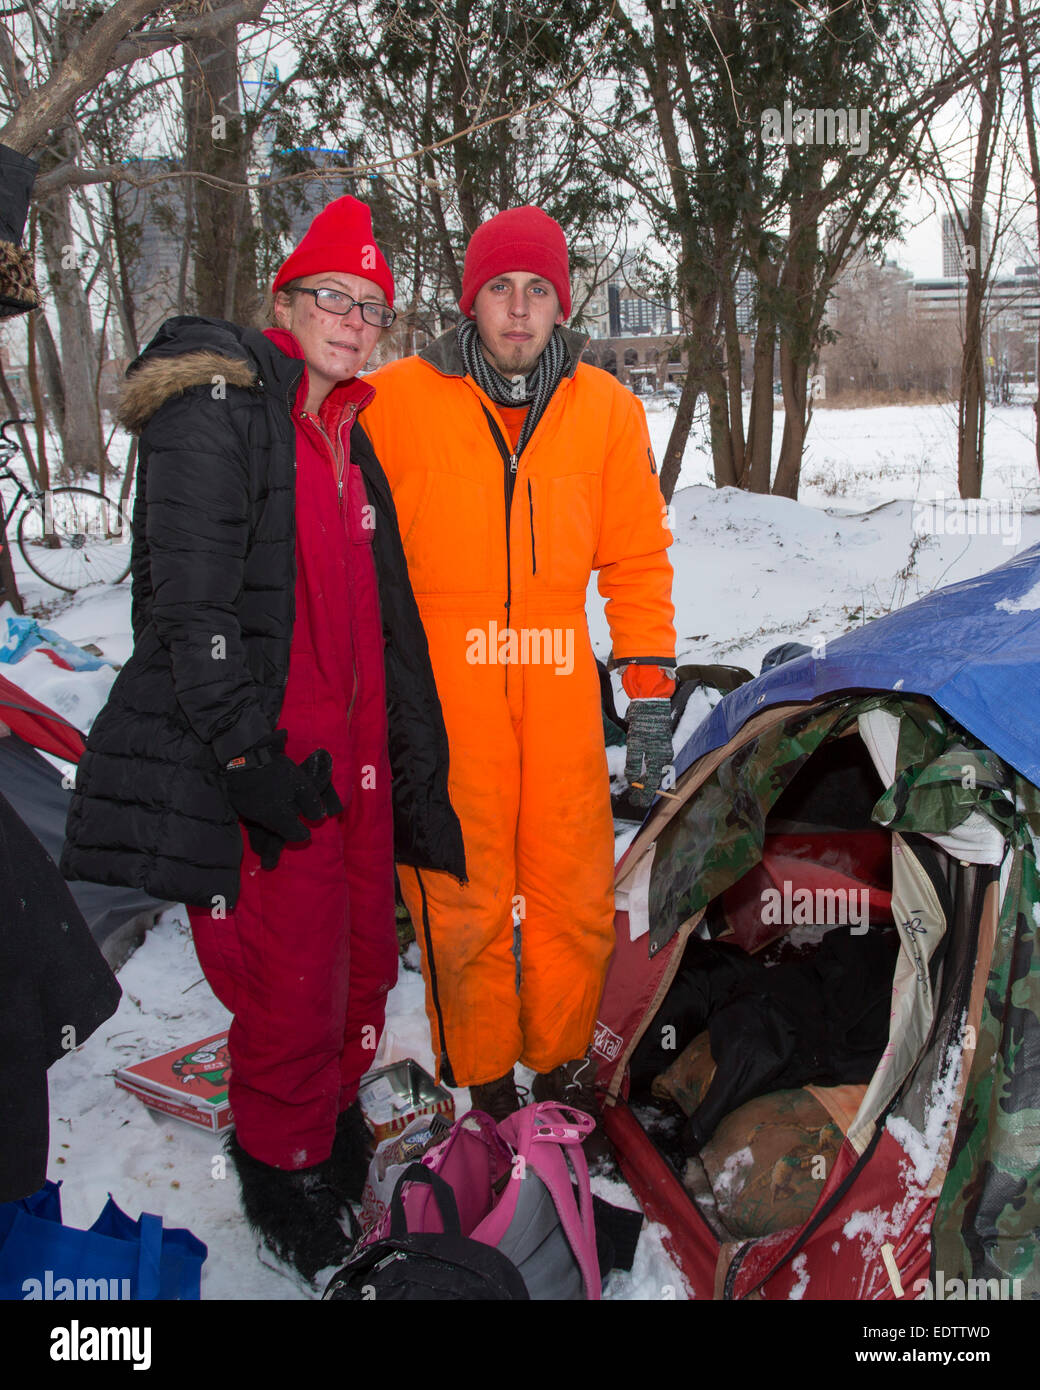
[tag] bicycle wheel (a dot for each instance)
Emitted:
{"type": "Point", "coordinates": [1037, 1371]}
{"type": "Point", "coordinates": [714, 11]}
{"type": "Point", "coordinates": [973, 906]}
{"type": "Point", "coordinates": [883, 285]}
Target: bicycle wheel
{"type": "Point", "coordinates": [73, 537]}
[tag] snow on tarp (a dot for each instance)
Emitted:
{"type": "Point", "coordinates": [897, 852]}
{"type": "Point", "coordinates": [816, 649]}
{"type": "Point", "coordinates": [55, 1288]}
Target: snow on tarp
{"type": "Point", "coordinates": [973, 648]}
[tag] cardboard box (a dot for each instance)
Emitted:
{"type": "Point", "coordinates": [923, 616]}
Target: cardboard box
{"type": "Point", "coordinates": [189, 1082]}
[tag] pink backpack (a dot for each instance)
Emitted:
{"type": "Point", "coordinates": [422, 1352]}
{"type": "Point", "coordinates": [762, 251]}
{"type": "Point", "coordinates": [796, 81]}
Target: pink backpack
{"type": "Point", "coordinates": [514, 1190]}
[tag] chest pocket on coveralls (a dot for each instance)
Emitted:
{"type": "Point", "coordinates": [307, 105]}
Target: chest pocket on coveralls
{"type": "Point", "coordinates": [360, 513]}
{"type": "Point", "coordinates": [447, 539]}
{"type": "Point", "coordinates": [573, 505]}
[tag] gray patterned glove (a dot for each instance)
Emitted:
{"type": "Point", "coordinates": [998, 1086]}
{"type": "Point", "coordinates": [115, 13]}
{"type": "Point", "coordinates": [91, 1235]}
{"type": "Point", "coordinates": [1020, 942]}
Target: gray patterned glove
{"type": "Point", "coordinates": [649, 740]}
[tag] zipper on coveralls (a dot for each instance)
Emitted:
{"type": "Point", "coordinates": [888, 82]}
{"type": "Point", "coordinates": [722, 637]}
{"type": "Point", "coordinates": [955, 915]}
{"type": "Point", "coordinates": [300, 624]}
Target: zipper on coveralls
{"type": "Point", "coordinates": [447, 1075]}
{"type": "Point", "coordinates": [336, 450]}
{"type": "Point", "coordinates": [509, 461]}
{"type": "Point", "coordinates": [530, 503]}
{"type": "Point", "coordinates": [348, 419]}
{"type": "Point", "coordinates": [338, 456]}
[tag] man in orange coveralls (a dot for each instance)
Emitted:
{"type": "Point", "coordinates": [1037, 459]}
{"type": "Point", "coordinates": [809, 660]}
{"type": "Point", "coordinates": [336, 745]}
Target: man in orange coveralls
{"type": "Point", "coordinates": [516, 470]}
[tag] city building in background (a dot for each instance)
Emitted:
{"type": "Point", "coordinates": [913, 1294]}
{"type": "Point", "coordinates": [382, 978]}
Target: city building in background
{"type": "Point", "coordinates": [616, 306]}
{"type": "Point", "coordinates": [954, 252]}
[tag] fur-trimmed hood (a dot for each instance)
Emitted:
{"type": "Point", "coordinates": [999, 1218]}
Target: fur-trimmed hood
{"type": "Point", "coordinates": [186, 352]}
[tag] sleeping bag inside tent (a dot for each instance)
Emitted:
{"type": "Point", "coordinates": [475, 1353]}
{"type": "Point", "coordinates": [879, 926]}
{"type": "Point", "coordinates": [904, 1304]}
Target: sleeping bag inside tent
{"type": "Point", "coordinates": [819, 1040]}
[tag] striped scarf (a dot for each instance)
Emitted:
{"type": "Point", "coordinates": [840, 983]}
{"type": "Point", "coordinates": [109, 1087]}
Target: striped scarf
{"type": "Point", "coordinates": [534, 390]}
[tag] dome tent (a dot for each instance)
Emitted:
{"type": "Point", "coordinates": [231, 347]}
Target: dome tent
{"type": "Point", "coordinates": [117, 917]}
{"type": "Point", "coordinates": [936, 1182]}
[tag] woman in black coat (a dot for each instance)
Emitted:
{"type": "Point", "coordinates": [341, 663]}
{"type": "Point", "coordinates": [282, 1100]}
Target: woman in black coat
{"type": "Point", "coordinates": [280, 690]}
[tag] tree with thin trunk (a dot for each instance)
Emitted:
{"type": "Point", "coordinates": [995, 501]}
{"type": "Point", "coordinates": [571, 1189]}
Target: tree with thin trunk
{"type": "Point", "coordinates": [1029, 116]}
{"type": "Point", "coordinates": [990, 23]}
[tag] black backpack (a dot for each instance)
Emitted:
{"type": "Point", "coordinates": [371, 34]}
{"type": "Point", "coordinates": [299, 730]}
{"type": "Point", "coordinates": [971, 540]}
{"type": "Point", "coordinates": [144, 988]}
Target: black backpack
{"type": "Point", "coordinates": [427, 1266]}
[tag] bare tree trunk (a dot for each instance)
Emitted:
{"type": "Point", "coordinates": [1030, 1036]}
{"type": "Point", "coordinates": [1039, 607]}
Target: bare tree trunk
{"type": "Point", "coordinates": [1034, 169]}
{"type": "Point", "coordinates": [972, 398]}
{"type": "Point", "coordinates": [706, 371]}
{"type": "Point", "coordinates": [793, 378]}
{"type": "Point", "coordinates": [796, 344]}
{"type": "Point", "coordinates": [221, 231]}
{"type": "Point", "coordinates": [184, 267]}
{"type": "Point", "coordinates": [436, 202]}
{"type": "Point", "coordinates": [119, 280]}
{"type": "Point", "coordinates": [128, 476]}
{"type": "Point", "coordinates": [42, 477]}
{"type": "Point", "coordinates": [79, 420]}
{"type": "Point", "coordinates": [758, 461]}
{"type": "Point", "coordinates": [8, 584]}
{"type": "Point", "coordinates": [719, 428]}
{"type": "Point", "coordinates": [680, 433]}
{"type": "Point", "coordinates": [41, 339]}
{"type": "Point", "coordinates": [734, 377]}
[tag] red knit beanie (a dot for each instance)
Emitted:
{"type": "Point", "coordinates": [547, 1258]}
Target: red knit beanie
{"type": "Point", "coordinates": [340, 238]}
{"type": "Point", "coordinates": [519, 239]}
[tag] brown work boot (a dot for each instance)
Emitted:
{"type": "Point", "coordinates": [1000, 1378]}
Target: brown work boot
{"type": "Point", "coordinates": [570, 1084]}
{"type": "Point", "coordinates": [496, 1098]}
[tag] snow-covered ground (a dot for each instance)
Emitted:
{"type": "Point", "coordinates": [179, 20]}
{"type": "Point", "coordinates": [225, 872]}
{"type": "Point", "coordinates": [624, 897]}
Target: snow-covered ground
{"type": "Point", "coordinates": [750, 572]}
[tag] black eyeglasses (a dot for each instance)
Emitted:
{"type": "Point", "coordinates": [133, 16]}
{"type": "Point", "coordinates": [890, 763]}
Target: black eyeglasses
{"type": "Point", "coordinates": [378, 315]}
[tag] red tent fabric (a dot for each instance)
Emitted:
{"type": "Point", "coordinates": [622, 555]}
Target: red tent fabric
{"type": "Point", "coordinates": [38, 725]}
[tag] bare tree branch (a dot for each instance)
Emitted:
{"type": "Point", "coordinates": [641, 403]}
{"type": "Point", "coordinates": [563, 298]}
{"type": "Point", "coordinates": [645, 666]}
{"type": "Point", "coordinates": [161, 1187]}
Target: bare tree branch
{"type": "Point", "coordinates": [104, 47]}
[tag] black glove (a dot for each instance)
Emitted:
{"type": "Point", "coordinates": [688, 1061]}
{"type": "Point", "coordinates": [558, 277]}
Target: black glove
{"type": "Point", "coordinates": [318, 767]}
{"type": "Point", "coordinates": [272, 796]}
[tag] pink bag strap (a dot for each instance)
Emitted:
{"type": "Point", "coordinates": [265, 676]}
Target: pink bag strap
{"type": "Point", "coordinates": [548, 1137]}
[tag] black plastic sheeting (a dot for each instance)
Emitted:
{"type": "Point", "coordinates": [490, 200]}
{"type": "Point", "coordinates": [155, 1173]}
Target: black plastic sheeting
{"type": "Point", "coordinates": [116, 916]}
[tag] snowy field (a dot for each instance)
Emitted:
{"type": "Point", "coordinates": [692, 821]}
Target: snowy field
{"type": "Point", "coordinates": [750, 572]}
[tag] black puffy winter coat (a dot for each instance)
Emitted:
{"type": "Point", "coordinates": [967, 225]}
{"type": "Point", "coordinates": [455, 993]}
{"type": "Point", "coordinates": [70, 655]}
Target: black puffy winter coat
{"type": "Point", "coordinates": [214, 571]}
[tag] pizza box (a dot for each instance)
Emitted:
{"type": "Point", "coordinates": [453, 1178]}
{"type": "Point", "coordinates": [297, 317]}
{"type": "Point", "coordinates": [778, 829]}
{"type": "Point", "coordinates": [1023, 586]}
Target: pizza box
{"type": "Point", "coordinates": [189, 1082]}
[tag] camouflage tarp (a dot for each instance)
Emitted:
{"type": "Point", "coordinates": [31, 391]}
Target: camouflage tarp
{"type": "Point", "coordinates": [720, 832]}
{"type": "Point", "coordinates": [943, 774]}
{"type": "Point", "coordinates": [987, 1225]}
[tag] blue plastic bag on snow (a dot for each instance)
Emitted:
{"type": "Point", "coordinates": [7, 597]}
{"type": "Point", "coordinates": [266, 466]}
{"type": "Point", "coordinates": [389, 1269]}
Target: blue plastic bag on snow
{"type": "Point", "coordinates": [117, 1258]}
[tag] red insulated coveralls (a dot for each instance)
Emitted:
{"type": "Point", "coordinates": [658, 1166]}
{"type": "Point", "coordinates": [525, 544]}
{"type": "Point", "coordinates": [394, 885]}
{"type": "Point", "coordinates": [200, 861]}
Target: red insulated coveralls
{"type": "Point", "coordinates": [306, 958]}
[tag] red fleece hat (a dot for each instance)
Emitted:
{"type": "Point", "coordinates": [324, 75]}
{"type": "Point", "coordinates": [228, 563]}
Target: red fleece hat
{"type": "Point", "coordinates": [519, 239]}
{"type": "Point", "coordinates": [340, 238]}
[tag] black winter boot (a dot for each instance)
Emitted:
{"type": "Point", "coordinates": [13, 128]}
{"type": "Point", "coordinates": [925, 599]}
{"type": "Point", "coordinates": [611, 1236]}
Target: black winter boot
{"type": "Point", "coordinates": [294, 1212]}
{"type": "Point", "coordinates": [351, 1154]}
{"type": "Point", "coordinates": [496, 1098]}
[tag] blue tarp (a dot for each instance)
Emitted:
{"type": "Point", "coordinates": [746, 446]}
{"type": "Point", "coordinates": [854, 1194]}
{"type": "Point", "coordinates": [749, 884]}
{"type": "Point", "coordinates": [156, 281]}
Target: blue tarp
{"type": "Point", "coordinates": [973, 648]}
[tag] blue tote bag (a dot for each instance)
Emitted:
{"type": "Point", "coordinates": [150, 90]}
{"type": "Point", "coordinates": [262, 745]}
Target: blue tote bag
{"type": "Point", "coordinates": [117, 1258]}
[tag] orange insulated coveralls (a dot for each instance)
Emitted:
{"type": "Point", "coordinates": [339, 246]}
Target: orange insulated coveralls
{"type": "Point", "coordinates": [500, 552]}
